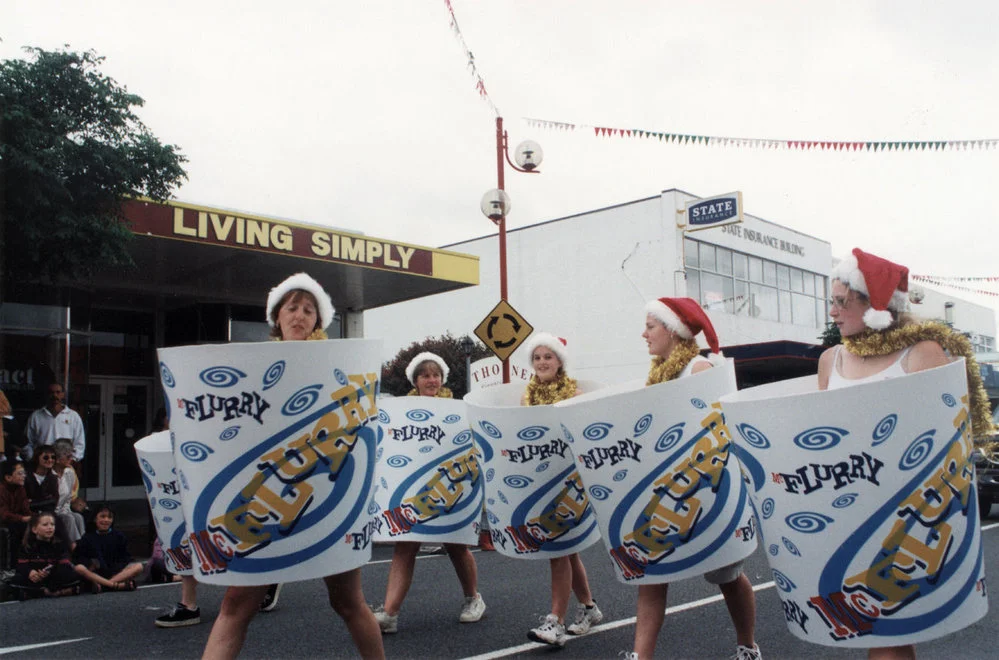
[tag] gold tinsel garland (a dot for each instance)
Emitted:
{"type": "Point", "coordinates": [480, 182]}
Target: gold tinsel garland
{"type": "Point", "coordinates": [886, 342]}
{"type": "Point", "coordinates": [543, 394]}
{"type": "Point", "coordinates": [442, 393]}
{"type": "Point", "coordinates": [665, 369]}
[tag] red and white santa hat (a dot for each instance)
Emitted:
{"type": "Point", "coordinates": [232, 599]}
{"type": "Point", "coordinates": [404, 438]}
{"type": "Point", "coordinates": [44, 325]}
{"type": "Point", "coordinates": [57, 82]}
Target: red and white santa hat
{"type": "Point", "coordinates": [426, 356]}
{"type": "Point", "coordinates": [886, 285]}
{"type": "Point", "coordinates": [686, 318]}
{"type": "Point", "coordinates": [305, 283]}
{"type": "Point", "coordinates": [557, 345]}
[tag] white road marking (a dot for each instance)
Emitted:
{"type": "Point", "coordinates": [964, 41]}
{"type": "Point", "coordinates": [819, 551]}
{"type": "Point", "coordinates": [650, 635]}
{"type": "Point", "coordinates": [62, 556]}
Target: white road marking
{"type": "Point", "coordinates": [29, 647]}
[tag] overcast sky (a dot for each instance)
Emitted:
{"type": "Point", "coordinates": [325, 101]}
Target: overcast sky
{"type": "Point", "coordinates": [364, 115]}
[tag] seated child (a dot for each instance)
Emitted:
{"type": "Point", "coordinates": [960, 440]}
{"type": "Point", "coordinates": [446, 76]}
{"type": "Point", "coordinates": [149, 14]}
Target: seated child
{"type": "Point", "coordinates": [102, 556]}
{"type": "Point", "coordinates": [43, 567]}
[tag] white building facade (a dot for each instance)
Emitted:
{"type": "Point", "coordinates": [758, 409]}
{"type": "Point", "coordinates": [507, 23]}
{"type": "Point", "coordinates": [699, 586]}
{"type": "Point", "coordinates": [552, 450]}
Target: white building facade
{"type": "Point", "coordinates": [587, 278]}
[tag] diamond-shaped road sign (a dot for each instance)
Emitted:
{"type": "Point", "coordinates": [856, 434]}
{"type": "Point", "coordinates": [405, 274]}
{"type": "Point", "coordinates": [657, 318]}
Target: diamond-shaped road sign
{"type": "Point", "coordinates": [503, 330]}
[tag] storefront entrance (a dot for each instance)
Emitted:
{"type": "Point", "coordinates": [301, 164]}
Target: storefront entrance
{"type": "Point", "coordinates": [118, 413]}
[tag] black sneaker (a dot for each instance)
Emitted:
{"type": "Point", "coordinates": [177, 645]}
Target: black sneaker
{"type": "Point", "coordinates": [271, 599]}
{"type": "Point", "coordinates": [179, 617]}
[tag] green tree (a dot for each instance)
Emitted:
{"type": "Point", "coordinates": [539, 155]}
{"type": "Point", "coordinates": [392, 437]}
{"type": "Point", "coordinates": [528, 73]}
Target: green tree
{"type": "Point", "coordinates": [448, 347]}
{"type": "Point", "coordinates": [830, 336]}
{"type": "Point", "coordinates": [71, 150]}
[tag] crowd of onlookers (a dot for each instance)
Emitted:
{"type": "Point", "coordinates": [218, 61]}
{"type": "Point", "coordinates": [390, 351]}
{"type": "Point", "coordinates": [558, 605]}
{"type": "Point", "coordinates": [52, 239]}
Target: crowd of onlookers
{"type": "Point", "coordinates": [51, 542]}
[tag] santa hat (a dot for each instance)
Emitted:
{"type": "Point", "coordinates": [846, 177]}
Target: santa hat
{"type": "Point", "coordinates": [426, 356]}
{"type": "Point", "coordinates": [885, 284]}
{"type": "Point", "coordinates": [557, 345]}
{"type": "Point", "coordinates": [686, 318]}
{"type": "Point", "coordinates": [301, 281]}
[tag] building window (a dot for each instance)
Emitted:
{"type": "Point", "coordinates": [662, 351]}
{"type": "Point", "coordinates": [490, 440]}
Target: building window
{"type": "Point", "coordinates": [724, 280]}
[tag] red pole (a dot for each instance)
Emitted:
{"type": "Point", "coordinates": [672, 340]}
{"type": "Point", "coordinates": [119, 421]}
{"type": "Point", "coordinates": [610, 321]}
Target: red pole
{"type": "Point", "coordinates": [502, 227]}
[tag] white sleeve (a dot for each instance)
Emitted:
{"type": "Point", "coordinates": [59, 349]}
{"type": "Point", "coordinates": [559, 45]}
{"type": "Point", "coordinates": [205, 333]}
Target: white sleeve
{"type": "Point", "coordinates": [79, 438]}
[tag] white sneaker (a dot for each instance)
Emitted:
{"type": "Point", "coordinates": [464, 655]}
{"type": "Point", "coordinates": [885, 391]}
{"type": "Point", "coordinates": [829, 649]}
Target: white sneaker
{"type": "Point", "coordinates": [473, 609]}
{"type": "Point", "coordinates": [549, 632]}
{"type": "Point", "coordinates": [746, 653]}
{"type": "Point", "coordinates": [586, 617]}
{"type": "Point", "coordinates": [628, 655]}
{"type": "Point", "coordinates": [387, 623]}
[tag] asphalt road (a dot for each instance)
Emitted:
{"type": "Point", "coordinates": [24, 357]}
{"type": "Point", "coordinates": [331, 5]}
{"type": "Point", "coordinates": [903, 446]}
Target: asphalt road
{"type": "Point", "coordinates": [120, 625]}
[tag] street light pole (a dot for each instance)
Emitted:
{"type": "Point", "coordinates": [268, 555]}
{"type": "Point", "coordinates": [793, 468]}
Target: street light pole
{"type": "Point", "coordinates": [496, 203]}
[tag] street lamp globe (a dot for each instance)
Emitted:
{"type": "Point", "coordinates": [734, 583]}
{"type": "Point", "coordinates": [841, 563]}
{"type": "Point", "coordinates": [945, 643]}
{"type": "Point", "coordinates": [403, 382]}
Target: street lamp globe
{"type": "Point", "coordinates": [528, 155]}
{"type": "Point", "coordinates": [495, 204]}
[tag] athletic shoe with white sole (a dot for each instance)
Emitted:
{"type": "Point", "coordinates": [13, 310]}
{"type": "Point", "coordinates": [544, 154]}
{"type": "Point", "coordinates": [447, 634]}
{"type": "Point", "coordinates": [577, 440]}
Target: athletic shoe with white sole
{"type": "Point", "coordinates": [179, 617]}
{"type": "Point", "coordinates": [473, 609]}
{"type": "Point", "coordinates": [549, 632]}
{"type": "Point", "coordinates": [587, 616]}
{"type": "Point", "coordinates": [271, 599]}
{"type": "Point", "coordinates": [387, 623]}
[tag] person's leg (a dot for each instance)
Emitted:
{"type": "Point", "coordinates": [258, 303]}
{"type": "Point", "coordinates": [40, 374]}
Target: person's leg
{"type": "Point", "coordinates": [587, 614]}
{"type": "Point", "coordinates": [347, 600]}
{"type": "Point", "coordinates": [892, 653]}
{"type": "Point", "coordinates": [580, 583]}
{"type": "Point", "coordinates": [189, 592]}
{"type": "Point", "coordinates": [464, 565]}
{"type": "Point", "coordinates": [93, 577]}
{"type": "Point", "coordinates": [127, 573]}
{"type": "Point", "coordinates": [400, 575]}
{"type": "Point", "coordinates": [741, 603]}
{"type": "Point", "coordinates": [649, 620]}
{"type": "Point", "coordinates": [561, 586]}
{"type": "Point", "coordinates": [229, 632]}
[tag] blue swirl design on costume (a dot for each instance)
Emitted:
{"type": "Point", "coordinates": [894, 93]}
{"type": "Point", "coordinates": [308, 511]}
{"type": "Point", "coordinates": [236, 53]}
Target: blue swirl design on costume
{"type": "Point", "coordinates": [419, 415]}
{"type": "Point", "coordinates": [774, 549]}
{"type": "Point", "coordinates": [820, 438]}
{"type": "Point", "coordinates": [541, 467]}
{"type": "Point", "coordinates": [670, 437]}
{"type": "Point", "coordinates": [884, 429]}
{"type": "Point", "coordinates": [384, 483]}
{"type": "Point", "coordinates": [152, 502]}
{"type": "Point", "coordinates": [229, 433]}
{"type": "Point", "coordinates": [398, 461]}
{"type": "Point", "coordinates": [169, 504]}
{"type": "Point", "coordinates": [492, 518]}
{"type": "Point", "coordinates": [757, 474]}
{"type": "Point", "coordinates": [490, 429]}
{"type": "Point", "coordinates": [620, 475]}
{"type": "Point", "coordinates": [490, 474]}
{"type": "Point", "coordinates": [301, 400]}
{"type": "Point", "coordinates": [373, 508]}
{"type": "Point", "coordinates": [221, 376]}
{"type": "Point", "coordinates": [599, 492]}
{"type": "Point", "coordinates": [462, 438]}
{"type": "Point", "coordinates": [383, 417]}
{"type": "Point", "coordinates": [791, 547]}
{"type": "Point", "coordinates": [501, 497]}
{"type": "Point", "coordinates": [643, 424]}
{"type": "Point", "coordinates": [146, 467]}
{"type": "Point", "coordinates": [146, 482]}
{"type": "Point", "coordinates": [173, 442]}
{"type": "Point", "coordinates": [783, 582]}
{"type": "Point", "coordinates": [597, 430]}
{"type": "Point", "coordinates": [378, 454]}
{"type": "Point", "coordinates": [949, 400]}
{"type": "Point", "coordinates": [426, 450]}
{"type": "Point", "coordinates": [166, 376]}
{"type": "Point", "coordinates": [195, 451]}
{"type": "Point", "coordinates": [340, 376]}
{"type": "Point", "coordinates": [273, 374]}
{"type": "Point", "coordinates": [183, 480]}
{"type": "Point", "coordinates": [844, 500]}
{"type": "Point", "coordinates": [452, 419]}
{"type": "Point", "coordinates": [752, 436]}
{"type": "Point", "coordinates": [918, 451]}
{"type": "Point", "coordinates": [517, 481]}
{"type": "Point", "coordinates": [567, 434]}
{"type": "Point", "coordinates": [529, 433]}
{"type": "Point", "coordinates": [572, 530]}
{"type": "Point", "coordinates": [808, 522]}
{"type": "Point", "coordinates": [167, 519]}
{"type": "Point", "coordinates": [698, 403]}
{"type": "Point", "coordinates": [767, 508]}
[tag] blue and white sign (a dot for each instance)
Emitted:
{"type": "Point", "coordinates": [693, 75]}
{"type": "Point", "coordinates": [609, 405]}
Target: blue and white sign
{"type": "Point", "coordinates": [714, 211]}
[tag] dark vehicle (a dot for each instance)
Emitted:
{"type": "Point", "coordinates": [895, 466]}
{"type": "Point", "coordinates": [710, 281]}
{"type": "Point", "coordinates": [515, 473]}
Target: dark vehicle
{"type": "Point", "coordinates": [987, 471]}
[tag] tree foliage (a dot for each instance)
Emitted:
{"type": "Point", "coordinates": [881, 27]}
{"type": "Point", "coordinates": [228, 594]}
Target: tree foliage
{"type": "Point", "coordinates": [71, 150]}
{"type": "Point", "coordinates": [830, 336]}
{"type": "Point", "coordinates": [448, 347]}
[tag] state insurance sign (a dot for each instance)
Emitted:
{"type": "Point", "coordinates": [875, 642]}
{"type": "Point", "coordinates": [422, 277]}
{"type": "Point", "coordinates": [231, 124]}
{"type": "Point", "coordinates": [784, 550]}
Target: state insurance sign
{"type": "Point", "coordinates": [714, 211]}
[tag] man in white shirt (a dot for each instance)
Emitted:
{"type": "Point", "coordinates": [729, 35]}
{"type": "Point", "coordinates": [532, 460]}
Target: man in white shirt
{"type": "Point", "coordinates": [54, 421]}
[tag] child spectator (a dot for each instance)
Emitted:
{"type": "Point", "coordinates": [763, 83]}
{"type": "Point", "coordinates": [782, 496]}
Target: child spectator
{"type": "Point", "coordinates": [102, 556]}
{"type": "Point", "coordinates": [14, 510]}
{"type": "Point", "coordinates": [43, 567]}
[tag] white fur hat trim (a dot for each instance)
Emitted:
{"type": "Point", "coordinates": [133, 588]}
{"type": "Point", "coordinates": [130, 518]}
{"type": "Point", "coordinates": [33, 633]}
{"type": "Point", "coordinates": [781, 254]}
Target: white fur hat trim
{"type": "Point", "coordinates": [426, 356]}
{"type": "Point", "coordinates": [848, 272]}
{"type": "Point", "coordinates": [305, 283]}
{"type": "Point", "coordinates": [550, 342]}
{"type": "Point", "coordinates": [657, 310]}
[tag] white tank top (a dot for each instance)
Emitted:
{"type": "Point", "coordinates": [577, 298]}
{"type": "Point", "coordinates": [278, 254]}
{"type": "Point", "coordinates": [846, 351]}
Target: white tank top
{"type": "Point", "coordinates": [690, 366]}
{"type": "Point", "coordinates": [837, 380]}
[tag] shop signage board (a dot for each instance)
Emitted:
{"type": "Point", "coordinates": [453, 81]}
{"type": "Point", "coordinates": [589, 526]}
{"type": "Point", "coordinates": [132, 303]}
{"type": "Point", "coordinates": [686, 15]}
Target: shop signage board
{"type": "Point", "coordinates": [716, 211]}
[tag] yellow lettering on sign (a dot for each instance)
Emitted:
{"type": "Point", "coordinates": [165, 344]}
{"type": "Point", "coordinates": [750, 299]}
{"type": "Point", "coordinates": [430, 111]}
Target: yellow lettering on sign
{"type": "Point", "coordinates": [405, 254]}
{"type": "Point", "coordinates": [374, 251]}
{"type": "Point", "coordinates": [352, 249]}
{"type": "Point", "coordinates": [179, 227]}
{"type": "Point", "coordinates": [320, 244]}
{"type": "Point", "coordinates": [221, 228]}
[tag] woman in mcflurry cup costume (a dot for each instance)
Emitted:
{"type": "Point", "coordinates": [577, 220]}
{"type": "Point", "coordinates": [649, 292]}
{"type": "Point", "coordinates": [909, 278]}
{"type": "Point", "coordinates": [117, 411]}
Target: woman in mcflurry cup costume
{"type": "Point", "coordinates": [298, 309]}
